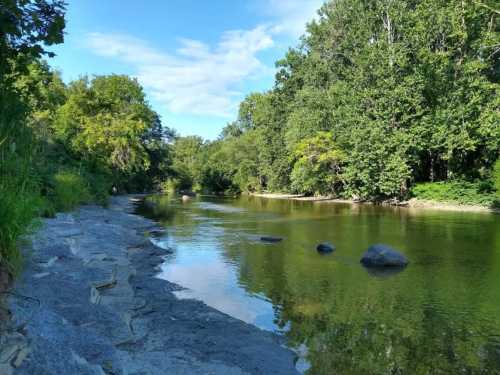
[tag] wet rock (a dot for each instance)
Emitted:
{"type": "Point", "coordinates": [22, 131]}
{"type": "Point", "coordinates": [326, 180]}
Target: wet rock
{"type": "Point", "coordinates": [271, 239]}
{"type": "Point", "coordinates": [157, 232]}
{"type": "Point", "coordinates": [383, 256]}
{"type": "Point", "coordinates": [186, 198]}
{"type": "Point", "coordinates": [325, 248]}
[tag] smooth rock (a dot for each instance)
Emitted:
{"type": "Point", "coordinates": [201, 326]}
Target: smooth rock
{"type": "Point", "coordinates": [186, 198]}
{"type": "Point", "coordinates": [325, 247]}
{"type": "Point", "coordinates": [271, 239]}
{"type": "Point", "coordinates": [383, 256]}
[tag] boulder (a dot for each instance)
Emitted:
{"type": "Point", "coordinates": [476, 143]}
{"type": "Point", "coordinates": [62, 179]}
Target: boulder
{"type": "Point", "coordinates": [186, 198]}
{"type": "Point", "coordinates": [325, 247]}
{"type": "Point", "coordinates": [383, 256]}
{"type": "Point", "coordinates": [271, 239]}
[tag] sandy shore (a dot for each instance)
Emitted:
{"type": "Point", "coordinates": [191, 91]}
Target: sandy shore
{"type": "Point", "coordinates": [410, 204]}
{"type": "Point", "coordinates": [88, 302]}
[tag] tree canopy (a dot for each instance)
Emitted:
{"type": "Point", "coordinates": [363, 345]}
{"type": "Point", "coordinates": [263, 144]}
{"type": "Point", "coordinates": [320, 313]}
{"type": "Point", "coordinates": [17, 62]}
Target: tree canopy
{"type": "Point", "coordinates": [407, 90]}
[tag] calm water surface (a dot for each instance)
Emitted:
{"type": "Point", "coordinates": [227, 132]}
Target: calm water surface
{"type": "Point", "coordinates": [441, 315]}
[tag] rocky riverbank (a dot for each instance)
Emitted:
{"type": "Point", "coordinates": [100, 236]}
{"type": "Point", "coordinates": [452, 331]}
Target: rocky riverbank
{"type": "Point", "coordinates": [410, 204]}
{"type": "Point", "coordinates": [88, 302]}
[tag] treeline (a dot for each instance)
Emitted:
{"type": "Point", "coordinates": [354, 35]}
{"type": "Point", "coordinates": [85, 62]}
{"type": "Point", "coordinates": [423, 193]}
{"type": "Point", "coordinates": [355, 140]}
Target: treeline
{"type": "Point", "coordinates": [381, 95]}
{"type": "Point", "coordinates": [65, 144]}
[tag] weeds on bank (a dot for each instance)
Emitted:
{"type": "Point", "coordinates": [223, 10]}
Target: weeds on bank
{"type": "Point", "coordinates": [460, 192]}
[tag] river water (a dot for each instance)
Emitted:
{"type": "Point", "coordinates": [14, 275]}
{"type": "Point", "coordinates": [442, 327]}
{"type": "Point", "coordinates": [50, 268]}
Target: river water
{"type": "Point", "coordinates": [440, 315]}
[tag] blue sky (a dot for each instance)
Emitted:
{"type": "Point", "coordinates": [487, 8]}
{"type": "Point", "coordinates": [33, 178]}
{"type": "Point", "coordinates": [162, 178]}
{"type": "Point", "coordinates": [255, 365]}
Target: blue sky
{"type": "Point", "coordinates": [196, 59]}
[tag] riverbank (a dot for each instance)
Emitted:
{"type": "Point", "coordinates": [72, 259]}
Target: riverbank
{"type": "Point", "coordinates": [411, 204]}
{"type": "Point", "coordinates": [88, 302]}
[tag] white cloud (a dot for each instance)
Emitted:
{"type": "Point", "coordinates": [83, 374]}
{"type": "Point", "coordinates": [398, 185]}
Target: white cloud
{"type": "Point", "coordinates": [196, 78]}
{"type": "Point", "coordinates": [200, 79]}
{"type": "Point", "coordinates": [290, 16]}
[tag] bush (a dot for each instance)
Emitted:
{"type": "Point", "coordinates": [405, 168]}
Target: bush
{"type": "Point", "coordinates": [69, 190]}
{"type": "Point", "coordinates": [461, 192]}
{"type": "Point", "coordinates": [17, 211]}
{"type": "Point", "coordinates": [495, 176]}
{"type": "Point", "coordinates": [100, 186]}
{"type": "Point", "coordinates": [170, 186]}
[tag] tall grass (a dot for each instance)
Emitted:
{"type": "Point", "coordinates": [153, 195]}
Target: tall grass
{"type": "Point", "coordinates": [70, 190]}
{"type": "Point", "coordinates": [19, 199]}
{"type": "Point", "coordinates": [17, 210]}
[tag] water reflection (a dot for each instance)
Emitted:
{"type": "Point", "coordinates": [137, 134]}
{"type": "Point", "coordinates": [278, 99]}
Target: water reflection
{"type": "Point", "coordinates": [439, 315]}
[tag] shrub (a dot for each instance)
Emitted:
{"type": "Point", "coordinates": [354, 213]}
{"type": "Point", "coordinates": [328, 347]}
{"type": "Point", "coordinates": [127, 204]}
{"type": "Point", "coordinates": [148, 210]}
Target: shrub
{"type": "Point", "coordinates": [17, 210]}
{"type": "Point", "coordinates": [461, 192]}
{"type": "Point", "coordinates": [69, 190]}
{"type": "Point", "coordinates": [170, 186]}
{"type": "Point", "coordinates": [495, 176]}
{"type": "Point", "coordinates": [100, 186]}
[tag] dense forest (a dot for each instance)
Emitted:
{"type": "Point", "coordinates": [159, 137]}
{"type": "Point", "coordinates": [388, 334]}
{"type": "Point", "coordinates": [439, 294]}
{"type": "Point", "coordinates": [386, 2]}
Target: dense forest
{"type": "Point", "coordinates": [379, 97]}
{"type": "Point", "coordinates": [382, 99]}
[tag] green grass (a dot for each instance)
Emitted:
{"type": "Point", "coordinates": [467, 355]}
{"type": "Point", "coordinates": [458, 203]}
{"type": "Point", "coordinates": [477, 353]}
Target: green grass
{"type": "Point", "coordinates": [459, 192]}
{"type": "Point", "coordinates": [18, 208]}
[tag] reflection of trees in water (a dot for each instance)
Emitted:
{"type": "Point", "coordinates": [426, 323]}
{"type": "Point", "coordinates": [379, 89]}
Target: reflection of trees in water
{"type": "Point", "coordinates": [355, 323]}
{"type": "Point", "coordinates": [157, 207]}
{"type": "Point", "coordinates": [371, 326]}
{"type": "Point", "coordinates": [375, 334]}
{"type": "Point", "coordinates": [167, 210]}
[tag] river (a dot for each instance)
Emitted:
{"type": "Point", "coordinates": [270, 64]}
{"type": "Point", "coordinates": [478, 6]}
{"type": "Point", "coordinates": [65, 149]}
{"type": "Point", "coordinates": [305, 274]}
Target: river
{"type": "Point", "coordinates": [439, 315]}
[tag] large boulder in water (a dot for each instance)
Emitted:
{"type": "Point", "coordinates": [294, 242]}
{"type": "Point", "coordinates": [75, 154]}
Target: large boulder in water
{"type": "Point", "coordinates": [325, 247]}
{"type": "Point", "coordinates": [383, 256]}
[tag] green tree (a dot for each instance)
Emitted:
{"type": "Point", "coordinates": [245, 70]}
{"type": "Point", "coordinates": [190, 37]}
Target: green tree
{"type": "Point", "coordinates": [26, 29]}
{"type": "Point", "coordinates": [187, 162]}
{"type": "Point", "coordinates": [410, 90]}
{"type": "Point", "coordinates": [318, 165]}
{"type": "Point", "coordinates": [108, 124]}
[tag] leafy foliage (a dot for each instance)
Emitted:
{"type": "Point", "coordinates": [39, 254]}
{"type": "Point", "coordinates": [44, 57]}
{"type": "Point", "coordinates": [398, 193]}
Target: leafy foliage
{"type": "Point", "coordinates": [496, 178]}
{"type": "Point", "coordinates": [409, 90]}
{"type": "Point", "coordinates": [26, 28]}
{"type": "Point", "coordinates": [318, 165]}
{"type": "Point", "coordinates": [70, 190]}
{"type": "Point", "coordinates": [63, 145]}
{"type": "Point", "coordinates": [461, 192]}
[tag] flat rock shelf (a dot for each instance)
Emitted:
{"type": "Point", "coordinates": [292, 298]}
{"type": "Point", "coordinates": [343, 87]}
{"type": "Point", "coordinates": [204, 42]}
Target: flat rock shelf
{"type": "Point", "coordinates": [88, 302]}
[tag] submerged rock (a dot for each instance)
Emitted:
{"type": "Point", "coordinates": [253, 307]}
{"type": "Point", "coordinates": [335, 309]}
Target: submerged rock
{"type": "Point", "coordinates": [325, 247]}
{"type": "Point", "coordinates": [271, 239]}
{"type": "Point", "coordinates": [383, 256]}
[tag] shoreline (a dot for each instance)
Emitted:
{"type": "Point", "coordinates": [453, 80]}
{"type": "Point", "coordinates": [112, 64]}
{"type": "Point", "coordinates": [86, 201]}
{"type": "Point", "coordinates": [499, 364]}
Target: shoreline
{"type": "Point", "coordinates": [413, 203]}
{"type": "Point", "coordinates": [88, 302]}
